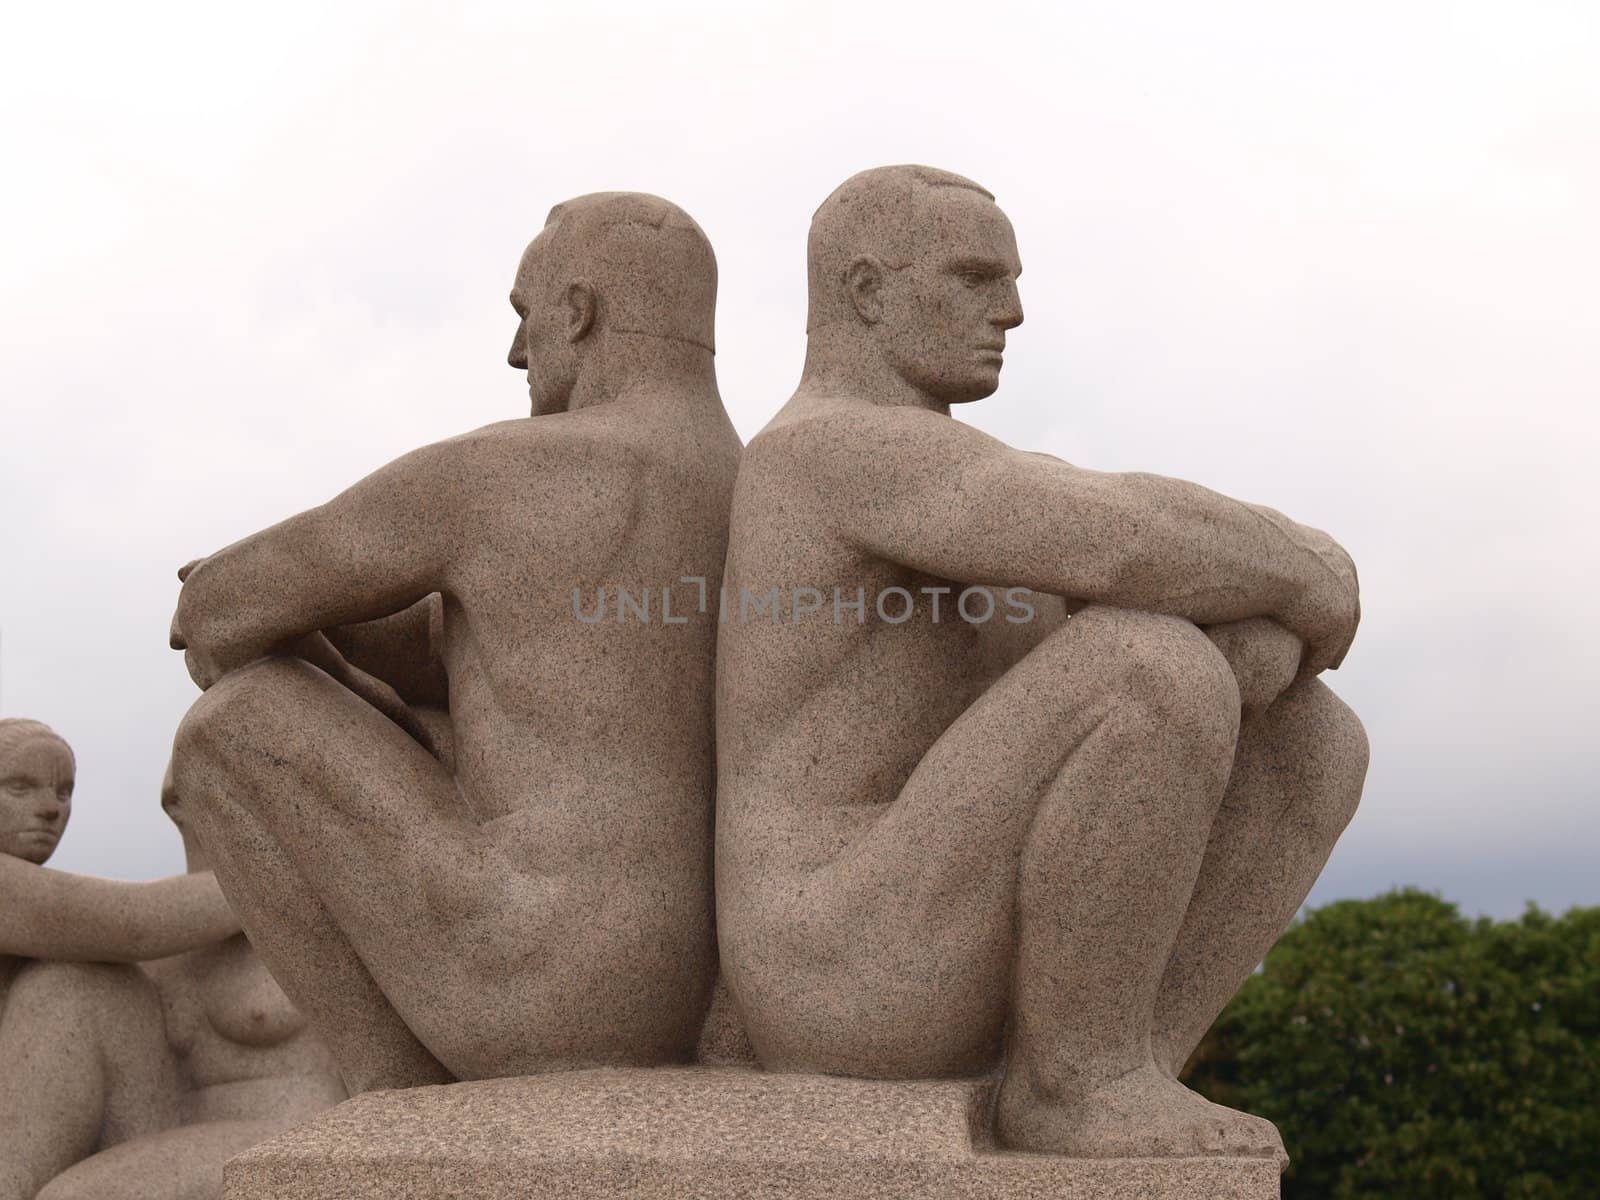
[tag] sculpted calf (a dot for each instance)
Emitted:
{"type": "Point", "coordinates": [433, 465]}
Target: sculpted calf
{"type": "Point", "coordinates": [546, 902]}
{"type": "Point", "coordinates": [941, 832]}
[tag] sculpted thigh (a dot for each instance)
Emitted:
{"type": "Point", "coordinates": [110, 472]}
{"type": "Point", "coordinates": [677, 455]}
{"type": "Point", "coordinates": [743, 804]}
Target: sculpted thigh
{"type": "Point", "coordinates": [1309, 748]}
{"type": "Point", "coordinates": [86, 1064]}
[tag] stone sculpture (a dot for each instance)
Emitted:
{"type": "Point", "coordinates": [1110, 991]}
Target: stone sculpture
{"type": "Point", "coordinates": [116, 1081]}
{"type": "Point", "coordinates": [55, 915]}
{"type": "Point", "coordinates": [547, 902]}
{"type": "Point", "coordinates": [1056, 819]}
{"type": "Point", "coordinates": [75, 1016]}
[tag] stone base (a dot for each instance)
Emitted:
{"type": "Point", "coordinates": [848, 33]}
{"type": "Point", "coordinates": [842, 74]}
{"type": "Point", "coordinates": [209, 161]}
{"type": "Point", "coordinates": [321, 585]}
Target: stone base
{"type": "Point", "coordinates": [697, 1132]}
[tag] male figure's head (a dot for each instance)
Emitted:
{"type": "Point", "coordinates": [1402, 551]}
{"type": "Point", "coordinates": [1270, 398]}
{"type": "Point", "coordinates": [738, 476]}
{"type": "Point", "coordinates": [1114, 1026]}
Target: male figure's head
{"type": "Point", "coordinates": [913, 271]}
{"type": "Point", "coordinates": [37, 773]}
{"type": "Point", "coordinates": [608, 269]}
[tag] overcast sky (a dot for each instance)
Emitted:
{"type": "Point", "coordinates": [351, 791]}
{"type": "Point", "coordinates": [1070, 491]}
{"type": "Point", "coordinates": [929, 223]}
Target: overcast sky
{"type": "Point", "coordinates": [1340, 259]}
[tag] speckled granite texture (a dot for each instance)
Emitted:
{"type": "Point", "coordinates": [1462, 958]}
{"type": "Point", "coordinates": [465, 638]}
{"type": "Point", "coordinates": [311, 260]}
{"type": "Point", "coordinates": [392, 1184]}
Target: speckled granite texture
{"type": "Point", "coordinates": [697, 1132]}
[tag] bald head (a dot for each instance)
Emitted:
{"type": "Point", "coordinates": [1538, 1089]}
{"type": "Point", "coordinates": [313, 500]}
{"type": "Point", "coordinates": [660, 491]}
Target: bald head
{"type": "Point", "coordinates": [883, 212]}
{"type": "Point", "coordinates": [607, 270]}
{"type": "Point", "coordinates": [913, 287]}
{"type": "Point", "coordinates": [649, 264]}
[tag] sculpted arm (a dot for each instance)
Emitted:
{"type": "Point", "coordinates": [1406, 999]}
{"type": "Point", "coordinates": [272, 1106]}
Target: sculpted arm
{"type": "Point", "coordinates": [79, 918]}
{"type": "Point", "coordinates": [403, 650]}
{"type": "Point", "coordinates": [376, 548]}
{"type": "Point", "coordinates": [952, 501]}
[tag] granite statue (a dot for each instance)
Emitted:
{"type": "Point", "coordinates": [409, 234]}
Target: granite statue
{"type": "Point", "coordinates": [1022, 766]}
{"type": "Point", "coordinates": [58, 917]}
{"type": "Point", "coordinates": [117, 1081]}
{"type": "Point", "coordinates": [521, 883]}
{"type": "Point", "coordinates": [83, 1063]}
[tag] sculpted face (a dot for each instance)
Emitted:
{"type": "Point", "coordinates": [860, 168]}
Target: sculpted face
{"type": "Point", "coordinates": [944, 317]}
{"type": "Point", "coordinates": [36, 781]}
{"type": "Point", "coordinates": [544, 346]}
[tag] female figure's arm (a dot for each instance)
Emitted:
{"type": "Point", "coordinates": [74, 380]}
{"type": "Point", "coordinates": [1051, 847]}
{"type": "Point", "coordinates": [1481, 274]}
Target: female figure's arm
{"type": "Point", "coordinates": [81, 918]}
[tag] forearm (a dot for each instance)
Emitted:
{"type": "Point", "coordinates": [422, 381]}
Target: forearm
{"type": "Point", "coordinates": [81, 918]}
{"type": "Point", "coordinates": [400, 650]}
{"type": "Point", "coordinates": [248, 597]}
{"type": "Point", "coordinates": [179, 913]}
{"type": "Point", "coordinates": [333, 565]}
{"type": "Point", "coordinates": [957, 504]}
{"type": "Point", "coordinates": [1165, 545]}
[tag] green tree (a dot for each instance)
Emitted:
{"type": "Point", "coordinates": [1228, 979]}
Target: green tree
{"type": "Point", "coordinates": [1407, 1052]}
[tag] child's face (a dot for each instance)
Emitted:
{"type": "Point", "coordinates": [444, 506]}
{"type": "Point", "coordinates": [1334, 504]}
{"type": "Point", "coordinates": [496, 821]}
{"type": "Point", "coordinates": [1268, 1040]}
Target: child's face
{"type": "Point", "coordinates": [35, 798]}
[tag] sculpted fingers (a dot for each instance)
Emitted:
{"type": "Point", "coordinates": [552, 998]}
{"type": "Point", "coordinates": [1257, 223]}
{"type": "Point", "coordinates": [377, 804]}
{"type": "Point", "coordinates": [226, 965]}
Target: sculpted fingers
{"type": "Point", "coordinates": [202, 668]}
{"type": "Point", "coordinates": [1346, 569]}
{"type": "Point", "coordinates": [175, 637]}
{"type": "Point", "coordinates": [1327, 613]}
{"type": "Point", "coordinates": [1355, 621]}
{"type": "Point", "coordinates": [203, 673]}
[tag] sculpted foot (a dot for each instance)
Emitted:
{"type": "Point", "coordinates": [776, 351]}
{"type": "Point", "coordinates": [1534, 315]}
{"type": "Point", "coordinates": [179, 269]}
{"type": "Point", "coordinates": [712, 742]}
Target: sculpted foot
{"type": "Point", "coordinates": [1143, 1114]}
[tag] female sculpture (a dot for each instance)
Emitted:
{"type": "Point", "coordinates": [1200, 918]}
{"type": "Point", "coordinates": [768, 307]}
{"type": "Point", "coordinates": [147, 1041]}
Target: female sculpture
{"type": "Point", "coordinates": [117, 1081]}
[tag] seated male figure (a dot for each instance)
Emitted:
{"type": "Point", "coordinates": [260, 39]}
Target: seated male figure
{"type": "Point", "coordinates": [546, 903]}
{"type": "Point", "coordinates": [946, 833]}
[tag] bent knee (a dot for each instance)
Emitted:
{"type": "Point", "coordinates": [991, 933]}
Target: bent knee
{"type": "Point", "coordinates": [241, 708]}
{"type": "Point", "coordinates": [1168, 666]}
{"type": "Point", "coordinates": [1337, 752]}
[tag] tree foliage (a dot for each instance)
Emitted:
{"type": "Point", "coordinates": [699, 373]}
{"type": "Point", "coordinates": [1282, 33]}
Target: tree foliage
{"type": "Point", "coordinates": [1406, 1051]}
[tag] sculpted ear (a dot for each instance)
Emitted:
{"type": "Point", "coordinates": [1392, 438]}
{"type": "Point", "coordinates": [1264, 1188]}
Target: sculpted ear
{"type": "Point", "coordinates": [582, 304]}
{"type": "Point", "coordinates": [863, 280]}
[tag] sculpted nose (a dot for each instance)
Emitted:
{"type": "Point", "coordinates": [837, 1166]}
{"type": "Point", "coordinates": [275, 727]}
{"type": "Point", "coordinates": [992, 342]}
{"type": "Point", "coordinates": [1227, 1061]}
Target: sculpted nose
{"type": "Point", "coordinates": [49, 806]}
{"type": "Point", "coordinates": [1010, 314]}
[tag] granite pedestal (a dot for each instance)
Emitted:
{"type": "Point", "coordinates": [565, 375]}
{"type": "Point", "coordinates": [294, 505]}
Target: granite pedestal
{"type": "Point", "coordinates": [694, 1132]}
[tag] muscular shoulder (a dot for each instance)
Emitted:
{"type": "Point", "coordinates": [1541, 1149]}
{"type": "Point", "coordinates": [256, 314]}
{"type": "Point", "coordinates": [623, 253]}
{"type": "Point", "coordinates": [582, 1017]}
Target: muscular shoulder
{"type": "Point", "coordinates": [847, 459]}
{"type": "Point", "coordinates": [538, 465]}
{"type": "Point", "coordinates": [562, 443]}
{"type": "Point", "coordinates": [827, 437]}
{"type": "Point", "coordinates": [571, 491]}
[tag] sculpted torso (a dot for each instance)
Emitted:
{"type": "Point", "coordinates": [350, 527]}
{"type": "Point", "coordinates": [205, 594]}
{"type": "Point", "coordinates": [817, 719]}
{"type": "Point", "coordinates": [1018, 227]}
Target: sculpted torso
{"type": "Point", "coordinates": [243, 1050]}
{"type": "Point", "coordinates": [629, 494]}
{"type": "Point", "coordinates": [244, 1067]}
{"type": "Point", "coordinates": [825, 716]}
